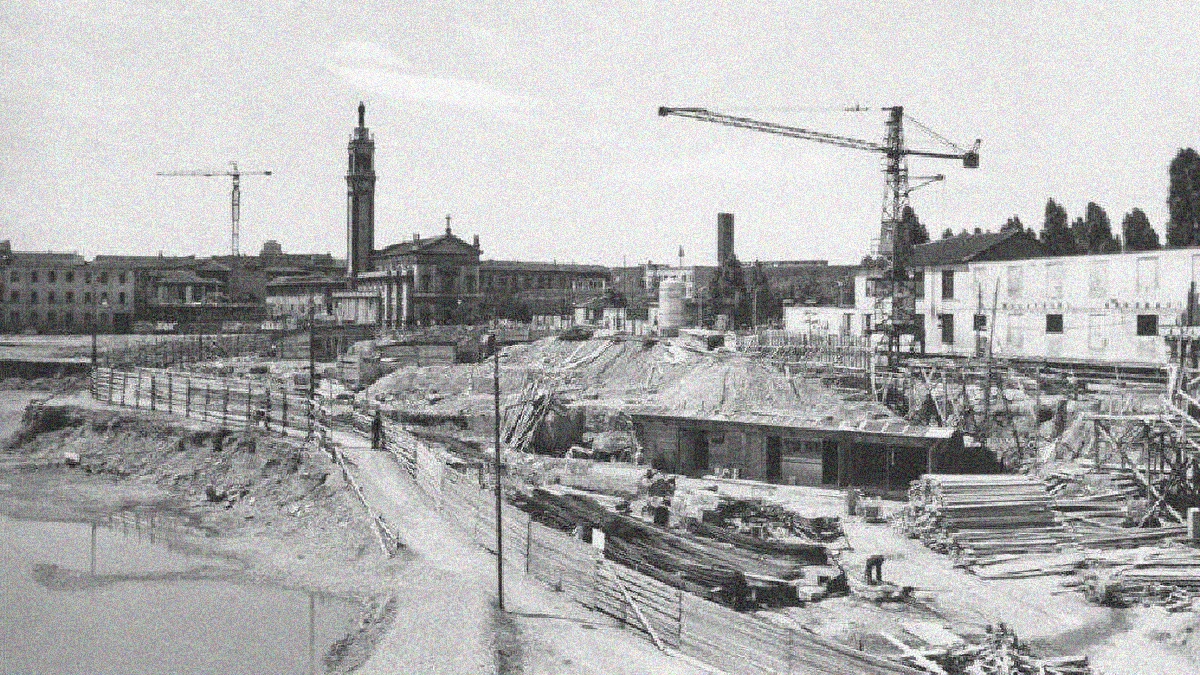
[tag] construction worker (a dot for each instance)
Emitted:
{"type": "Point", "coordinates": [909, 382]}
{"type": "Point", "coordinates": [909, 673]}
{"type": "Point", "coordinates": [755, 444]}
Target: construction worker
{"type": "Point", "coordinates": [875, 569]}
{"type": "Point", "coordinates": [377, 430]}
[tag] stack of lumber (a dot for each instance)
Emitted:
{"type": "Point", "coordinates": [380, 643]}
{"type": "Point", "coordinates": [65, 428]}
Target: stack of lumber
{"type": "Point", "coordinates": [717, 564]}
{"type": "Point", "coordinates": [1167, 575]}
{"type": "Point", "coordinates": [983, 515]}
{"type": "Point", "coordinates": [1002, 653]}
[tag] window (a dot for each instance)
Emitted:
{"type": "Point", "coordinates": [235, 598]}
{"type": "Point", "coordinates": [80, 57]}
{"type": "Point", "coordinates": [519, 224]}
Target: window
{"type": "Point", "coordinates": [104, 277]}
{"type": "Point", "coordinates": [70, 297]}
{"type": "Point", "coordinates": [121, 298]}
{"type": "Point", "coordinates": [1016, 332]}
{"type": "Point", "coordinates": [50, 298]}
{"type": "Point", "coordinates": [1147, 276]}
{"type": "Point", "coordinates": [1054, 324]}
{"type": "Point", "coordinates": [919, 284]}
{"type": "Point", "coordinates": [33, 276]}
{"type": "Point", "coordinates": [15, 276]}
{"type": "Point", "coordinates": [947, 284]}
{"type": "Point", "coordinates": [87, 278]}
{"type": "Point", "coordinates": [87, 298]}
{"type": "Point", "coordinates": [121, 279]}
{"type": "Point", "coordinates": [980, 322]}
{"type": "Point", "coordinates": [33, 297]}
{"type": "Point", "coordinates": [1054, 281]}
{"type": "Point", "coordinates": [866, 323]}
{"type": "Point", "coordinates": [69, 277]}
{"type": "Point", "coordinates": [847, 320]}
{"type": "Point", "coordinates": [51, 277]}
{"type": "Point", "coordinates": [1013, 280]}
{"type": "Point", "coordinates": [104, 298]}
{"type": "Point", "coordinates": [947, 324]}
{"type": "Point", "coordinates": [15, 296]}
{"type": "Point", "coordinates": [1147, 324]}
{"type": "Point", "coordinates": [1097, 338]}
{"type": "Point", "coordinates": [50, 317]}
{"type": "Point", "coordinates": [1098, 281]}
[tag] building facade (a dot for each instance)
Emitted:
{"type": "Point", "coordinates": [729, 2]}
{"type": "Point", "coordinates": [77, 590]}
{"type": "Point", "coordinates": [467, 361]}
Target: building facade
{"type": "Point", "coordinates": [62, 293]}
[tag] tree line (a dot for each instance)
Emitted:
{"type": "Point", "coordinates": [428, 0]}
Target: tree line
{"type": "Point", "coordinates": [1092, 232]}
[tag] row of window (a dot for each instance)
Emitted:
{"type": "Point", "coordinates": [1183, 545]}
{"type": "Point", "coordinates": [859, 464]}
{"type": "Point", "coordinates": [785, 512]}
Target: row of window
{"type": "Point", "coordinates": [1145, 280]}
{"type": "Point", "coordinates": [1147, 325]}
{"type": "Point", "coordinates": [17, 320]}
{"type": "Point", "coordinates": [68, 298]}
{"type": "Point", "coordinates": [68, 277]}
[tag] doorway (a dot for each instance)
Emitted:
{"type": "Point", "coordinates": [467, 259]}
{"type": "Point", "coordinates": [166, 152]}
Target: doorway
{"type": "Point", "coordinates": [774, 459]}
{"type": "Point", "coordinates": [694, 444]}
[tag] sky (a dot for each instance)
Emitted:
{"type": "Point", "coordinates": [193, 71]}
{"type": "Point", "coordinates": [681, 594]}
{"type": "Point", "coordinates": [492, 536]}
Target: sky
{"type": "Point", "coordinates": [534, 124]}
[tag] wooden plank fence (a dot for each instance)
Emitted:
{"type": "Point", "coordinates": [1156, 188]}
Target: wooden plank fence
{"type": "Point", "coordinates": [230, 402]}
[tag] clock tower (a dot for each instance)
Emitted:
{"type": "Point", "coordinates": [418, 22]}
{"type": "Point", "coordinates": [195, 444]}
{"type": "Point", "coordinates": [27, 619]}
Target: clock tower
{"type": "Point", "coordinates": [360, 198]}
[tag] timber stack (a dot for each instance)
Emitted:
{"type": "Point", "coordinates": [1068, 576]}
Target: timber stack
{"type": "Point", "coordinates": [1167, 576]}
{"type": "Point", "coordinates": [975, 516]}
{"type": "Point", "coordinates": [721, 565]}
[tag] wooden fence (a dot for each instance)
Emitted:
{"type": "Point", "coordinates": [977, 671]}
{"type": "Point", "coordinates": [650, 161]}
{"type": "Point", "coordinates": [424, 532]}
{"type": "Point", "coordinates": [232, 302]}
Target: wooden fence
{"type": "Point", "coordinates": [670, 617]}
{"type": "Point", "coordinates": [227, 401]}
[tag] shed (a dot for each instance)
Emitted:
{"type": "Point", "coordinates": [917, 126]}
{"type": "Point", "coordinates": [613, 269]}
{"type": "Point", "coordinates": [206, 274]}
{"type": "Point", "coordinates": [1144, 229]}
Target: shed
{"type": "Point", "coordinates": [790, 449]}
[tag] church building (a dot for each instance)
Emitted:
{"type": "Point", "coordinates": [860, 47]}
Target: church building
{"type": "Point", "coordinates": [422, 282]}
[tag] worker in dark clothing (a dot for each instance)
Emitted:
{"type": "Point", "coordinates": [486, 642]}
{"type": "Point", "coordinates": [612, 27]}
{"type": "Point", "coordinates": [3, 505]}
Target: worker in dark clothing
{"type": "Point", "coordinates": [377, 431]}
{"type": "Point", "coordinates": [875, 569]}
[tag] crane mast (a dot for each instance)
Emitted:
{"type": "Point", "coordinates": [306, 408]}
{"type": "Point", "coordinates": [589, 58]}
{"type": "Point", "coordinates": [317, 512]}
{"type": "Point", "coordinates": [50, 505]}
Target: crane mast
{"type": "Point", "coordinates": [235, 198]}
{"type": "Point", "coordinates": [895, 305]}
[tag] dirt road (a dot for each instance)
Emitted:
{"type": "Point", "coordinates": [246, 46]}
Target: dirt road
{"type": "Point", "coordinates": [446, 622]}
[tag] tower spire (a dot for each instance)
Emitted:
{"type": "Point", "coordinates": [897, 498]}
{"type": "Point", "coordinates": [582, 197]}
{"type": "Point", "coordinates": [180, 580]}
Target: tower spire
{"type": "Point", "coordinates": [362, 115]}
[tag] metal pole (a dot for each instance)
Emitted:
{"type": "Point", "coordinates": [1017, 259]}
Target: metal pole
{"type": "Point", "coordinates": [496, 427]}
{"type": "Point", "coordinates": [312, 370]}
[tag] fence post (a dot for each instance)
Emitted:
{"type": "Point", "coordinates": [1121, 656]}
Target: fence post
{"type": "Point", "coordinates": [225, 405]}
{"type": "Point", "coordinates": [137, 391]}
{"type": "Point", "coordinates": [153, 393]}
{"type": "Point", "coordinates": [249, 412]}
{"type": "Point", "coordinates": [124, 386]}
{"type": "Point", "coordinates": [112, 384]}
{"type": "Point", "coordinates": [170, 391]}
{"type": "Point", "coordinates": [187, 398]}
{"type": "Point", "coordinates": [528, 538]}
{"type": "Point", "coordinates": [207, 389]}
{"type": "Point", "coordinates": [284, 397]}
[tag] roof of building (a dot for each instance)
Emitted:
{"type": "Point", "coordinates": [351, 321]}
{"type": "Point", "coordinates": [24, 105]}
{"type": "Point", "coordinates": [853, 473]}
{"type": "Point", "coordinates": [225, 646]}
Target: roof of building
{"type": "Point", "coordinates": [447, 242]}
{"type": "Point", "coordinates": [537, 266]}
{"type": "Point", "coordinates": [46, 259]}
{"type": "Point", "coordinates": [144, 261]}
{"type": "Point", "coordinates": [186, 277]}
{"type": "Point", "coordinates": [307, 280]}
{"type": "Point", "coordinates": [966, 248]}
{"type": "Point", "coordinates": [882, 428]}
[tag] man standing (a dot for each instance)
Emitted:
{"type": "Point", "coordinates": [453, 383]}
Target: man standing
{"type": "Point", "coordinates": [377, 430]}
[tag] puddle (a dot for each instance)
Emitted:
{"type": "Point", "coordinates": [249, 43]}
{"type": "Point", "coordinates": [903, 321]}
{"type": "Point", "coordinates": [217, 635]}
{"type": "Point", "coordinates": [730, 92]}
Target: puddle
{"type": "Point", "coordinates": [124, 596]}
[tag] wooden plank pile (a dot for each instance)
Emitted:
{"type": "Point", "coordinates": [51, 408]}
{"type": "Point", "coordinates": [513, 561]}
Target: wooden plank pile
{"type": "Point", "coordinates": [975, 516]}
{"type": "Point", "coordinates": [1002, 653]}
{"type": "Point", "coordinates": [1161, 575]}
{"type": "Point", "coordinates": [732, 569]}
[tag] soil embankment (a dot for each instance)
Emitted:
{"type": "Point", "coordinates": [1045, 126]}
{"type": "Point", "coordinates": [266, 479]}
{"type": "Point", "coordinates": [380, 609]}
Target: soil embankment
{"type": "Point", "coordinates": [271, 506]}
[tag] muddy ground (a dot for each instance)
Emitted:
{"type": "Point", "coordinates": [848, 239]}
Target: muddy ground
{"type": "Point", "coordinates": [276, 509]}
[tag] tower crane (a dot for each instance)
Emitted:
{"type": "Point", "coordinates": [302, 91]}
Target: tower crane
{"type": "Point", "coordinates": [895, 302]}
{"type": "Point", "coordinates": [235, 197]}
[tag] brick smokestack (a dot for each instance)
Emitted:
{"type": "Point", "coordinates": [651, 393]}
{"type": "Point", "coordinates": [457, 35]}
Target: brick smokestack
{"type": "Point", "coordinates": [724, 237]}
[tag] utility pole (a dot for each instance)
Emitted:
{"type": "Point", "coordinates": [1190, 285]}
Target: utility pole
{"type": "Point", "coordinates": [499, 502]}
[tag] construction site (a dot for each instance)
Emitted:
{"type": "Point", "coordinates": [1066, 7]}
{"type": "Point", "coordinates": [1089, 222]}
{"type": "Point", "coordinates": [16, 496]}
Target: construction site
{"type": "Point", "coordinates": [973, 454]}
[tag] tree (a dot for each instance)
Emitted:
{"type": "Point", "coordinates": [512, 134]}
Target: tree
{"type": "Point", "coordinates": [917, 233]}
{"type": "Point", "coordinates": [1013, 224]}
{"type": "Point", "coordinates": [1139, 235]}
{"type": "Point", "coordinates": [947, 233]}
{"type": "Point", "coordinates": [1055, 233]}
{"type": "Point", "coordinates": [1183, 200]}
{"type": "Point", "coordinates": [1097, 236]}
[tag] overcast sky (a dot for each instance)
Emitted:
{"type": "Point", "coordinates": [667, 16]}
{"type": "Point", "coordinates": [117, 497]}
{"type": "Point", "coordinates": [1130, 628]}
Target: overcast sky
{"type": "Point", "coordinates": [534, 125]}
